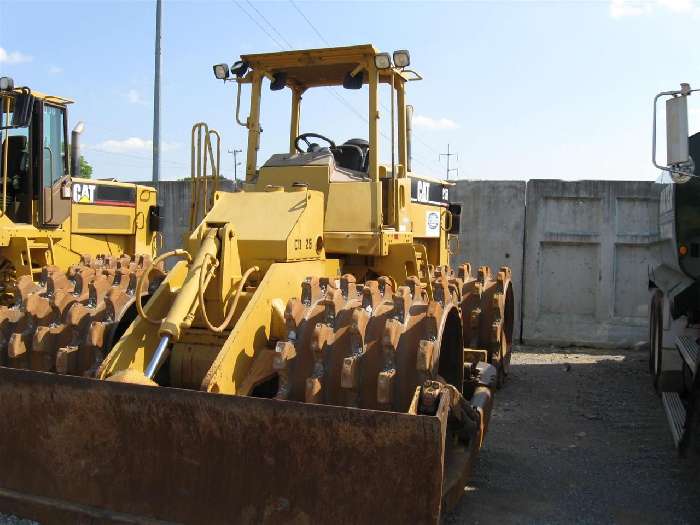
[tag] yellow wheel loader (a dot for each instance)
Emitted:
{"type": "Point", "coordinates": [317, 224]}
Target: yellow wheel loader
{"type": "Point", "coordinates": [311, 358]}
{"type": "Point", "coordinates": [66, 284]}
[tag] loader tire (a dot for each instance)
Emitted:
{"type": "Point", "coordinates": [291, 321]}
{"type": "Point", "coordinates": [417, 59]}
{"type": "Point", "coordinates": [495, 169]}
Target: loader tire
{"type": "Point", "coordinates": [68, 320]}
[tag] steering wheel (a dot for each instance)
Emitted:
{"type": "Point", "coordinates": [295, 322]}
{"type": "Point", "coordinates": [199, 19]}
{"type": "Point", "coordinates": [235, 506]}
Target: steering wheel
{"type": "Point", "coordinates": [306, 136]}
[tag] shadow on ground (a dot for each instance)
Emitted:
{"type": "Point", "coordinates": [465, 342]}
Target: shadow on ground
{"type": "Point", "coordinates": [579, 436]}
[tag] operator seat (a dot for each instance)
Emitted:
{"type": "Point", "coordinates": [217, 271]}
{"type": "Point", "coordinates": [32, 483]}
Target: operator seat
{"type": "Point", "coordinates": [352, 155]}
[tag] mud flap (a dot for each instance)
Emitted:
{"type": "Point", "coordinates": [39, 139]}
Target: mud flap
{"type": "Point", "coordinates": [101, 451]}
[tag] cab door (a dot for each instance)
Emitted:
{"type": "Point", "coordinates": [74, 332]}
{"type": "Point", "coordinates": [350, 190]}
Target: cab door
{"type": "Point", "coordinates": [55, 207]}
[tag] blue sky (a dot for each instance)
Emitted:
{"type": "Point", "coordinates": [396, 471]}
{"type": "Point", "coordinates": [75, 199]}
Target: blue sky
{"type": "Point", "coordinates": [518, 89]}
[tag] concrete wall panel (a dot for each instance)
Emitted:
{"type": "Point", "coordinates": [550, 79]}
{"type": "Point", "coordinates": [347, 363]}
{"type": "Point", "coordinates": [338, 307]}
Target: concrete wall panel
{"type": "Point", "coordinates": [588, 246]}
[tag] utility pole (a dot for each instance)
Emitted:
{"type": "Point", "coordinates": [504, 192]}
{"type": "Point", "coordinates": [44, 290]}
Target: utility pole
{"type": "Point", "coordinates": [449, 155]}
{"type": "Point", "coordinates": [156, 100]}
{"type": "Point", "coordinates": [235, 153]}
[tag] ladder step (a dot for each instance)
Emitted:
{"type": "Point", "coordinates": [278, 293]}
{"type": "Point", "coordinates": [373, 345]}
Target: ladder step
{"type": "Point", "coordinates": [675, 413]}
{"type": "Point", "coordinates": [690, 351]}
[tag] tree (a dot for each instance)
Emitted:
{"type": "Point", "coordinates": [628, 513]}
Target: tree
{"type": "Point", "coordinates": [85, 168]}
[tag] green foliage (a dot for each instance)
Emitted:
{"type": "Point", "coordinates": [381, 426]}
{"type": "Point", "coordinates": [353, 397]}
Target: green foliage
{"type": "Point", "coordinates": [85, 168]}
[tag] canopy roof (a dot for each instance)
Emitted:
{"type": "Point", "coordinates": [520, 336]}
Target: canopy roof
{"type": "Point", "coordinates": [52, 99]}
{"type": "Point", "coordinates": [318, 67]}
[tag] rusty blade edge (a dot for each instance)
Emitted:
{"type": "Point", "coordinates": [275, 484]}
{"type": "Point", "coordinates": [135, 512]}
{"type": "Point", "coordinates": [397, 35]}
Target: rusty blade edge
{"type": "Point", "coordinates": [47, 510]}
{"type": "Point", "coordinates": [192, 457]}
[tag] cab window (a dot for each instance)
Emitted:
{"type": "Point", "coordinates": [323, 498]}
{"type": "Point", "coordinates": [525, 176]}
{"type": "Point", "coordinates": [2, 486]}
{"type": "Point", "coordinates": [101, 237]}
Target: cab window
{"type": "Point", "coordinates": [54, 145]}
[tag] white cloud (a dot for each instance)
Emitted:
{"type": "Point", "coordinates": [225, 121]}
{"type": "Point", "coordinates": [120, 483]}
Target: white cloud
{"type": "Point", "coordinates": [13, 57]}
{"type": "Point", "coordinates": [421, 121]}
{"type": "Point", "coordinates": [55, 70]}
{"type": "Point", "coordinates": [134, 97]}
{"type": "Point", "coordinates": [622, 8]}
{"type": "Point", "coordinates": [625, 8]}
{"type": "Point", "coordinates": [678, 6]}
{"type": "Point", "coordinates": [131, 145]}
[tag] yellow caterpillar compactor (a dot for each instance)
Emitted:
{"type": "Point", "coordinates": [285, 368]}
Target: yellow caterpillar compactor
{"type": "Point", "coordinates": [311, 358]}
{"type": "Point", "coordinates": [65, 283]}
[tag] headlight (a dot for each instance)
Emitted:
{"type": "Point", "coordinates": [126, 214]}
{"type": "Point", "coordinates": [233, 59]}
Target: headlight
{"type": "Point", "coordinates": [239, 68]}
{"type": "Point", "coordinates": [6, 83]}
{"type": "Point", "coordinates": [382, 60]}
{"type": "Point", "coordinates": [221, 71]}
{"type": "Point", "coordinates": [402, 58]}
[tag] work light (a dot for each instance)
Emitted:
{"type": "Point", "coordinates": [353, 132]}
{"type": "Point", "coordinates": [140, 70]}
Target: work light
{"type": "Point", "coordinates": [6, 84]}
{"type": "Point", "coordinates": [402, 58]}
{"type": "Point", "coordinates": [239, 68]}
{"type": "Point", "coordinates": [221, 71]}
{"type": "Point", "coordinates": [382, 60]}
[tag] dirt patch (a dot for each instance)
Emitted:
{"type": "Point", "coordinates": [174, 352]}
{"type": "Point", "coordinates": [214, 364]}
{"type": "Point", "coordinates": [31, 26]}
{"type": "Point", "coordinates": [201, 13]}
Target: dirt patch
{"type": "Point", "coordinates": [579, 436]}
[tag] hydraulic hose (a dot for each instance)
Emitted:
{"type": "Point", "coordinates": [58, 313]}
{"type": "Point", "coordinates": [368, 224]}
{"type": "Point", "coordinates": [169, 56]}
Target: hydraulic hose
{"type": "Point", "coordinates": [142, 279]}
{"type": "Point", "coordinates": [232, 310]}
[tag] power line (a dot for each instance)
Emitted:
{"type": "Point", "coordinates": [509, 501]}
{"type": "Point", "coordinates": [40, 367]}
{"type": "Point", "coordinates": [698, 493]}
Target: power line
{"type": "Point", "coordinates": [269, 23]}
{"type": "Point", "coordinates": [318, 33]}
{"type": "Point", "coordinates": [259, 25]}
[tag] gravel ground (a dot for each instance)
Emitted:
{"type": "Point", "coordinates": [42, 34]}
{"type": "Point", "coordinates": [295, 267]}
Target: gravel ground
{"type": "Point", "coordinates": [578, 436]}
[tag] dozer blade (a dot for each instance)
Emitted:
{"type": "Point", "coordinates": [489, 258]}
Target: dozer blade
{"type": "Point", "coordinates": [77, 449]}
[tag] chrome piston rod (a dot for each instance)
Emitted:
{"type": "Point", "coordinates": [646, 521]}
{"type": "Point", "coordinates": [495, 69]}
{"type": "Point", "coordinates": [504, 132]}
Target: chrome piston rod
{"type": "Point", "coordinates": [159, 357]}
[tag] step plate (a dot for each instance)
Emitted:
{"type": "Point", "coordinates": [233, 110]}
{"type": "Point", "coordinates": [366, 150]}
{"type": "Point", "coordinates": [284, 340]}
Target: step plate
{"type": "Point", "coordinates": [690, 351]}
{"type": "Point", "coordinates": [675, 413]}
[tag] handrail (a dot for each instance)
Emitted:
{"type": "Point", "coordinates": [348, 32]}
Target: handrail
{"type": "Point", "coordinates": [48, 148]}
{"type": "Point", "coordinates": [201, 156]}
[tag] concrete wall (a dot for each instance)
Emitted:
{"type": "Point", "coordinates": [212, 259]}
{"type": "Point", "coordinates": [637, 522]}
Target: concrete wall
{"type": "Point", "coordinates": [588, 248]}
{"type": "Point", "coordinates": [579, 251]}
{"type": "Point", "coordinates": [492, 228]}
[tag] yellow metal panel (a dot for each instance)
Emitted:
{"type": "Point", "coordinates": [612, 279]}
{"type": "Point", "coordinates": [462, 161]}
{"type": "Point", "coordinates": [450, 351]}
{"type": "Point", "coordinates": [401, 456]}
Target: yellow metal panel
{"type": "Point", "coordinates": [349, 207]}
{"type": "Point", "coordinates": [316, 177]}
{"type": "Point", "coordinates": [90, 218]}
{"type": "Point", "coordinates": [103, 221]}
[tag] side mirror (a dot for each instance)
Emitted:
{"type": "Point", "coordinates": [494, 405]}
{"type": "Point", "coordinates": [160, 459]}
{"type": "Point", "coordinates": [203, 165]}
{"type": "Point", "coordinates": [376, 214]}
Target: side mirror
{"type": "Point", "coordinates": [677, 131]}
{"type": "Point", "coordinates": [456, 211]}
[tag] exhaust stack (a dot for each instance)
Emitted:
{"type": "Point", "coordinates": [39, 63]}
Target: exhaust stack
{"type": "Point", "coordinates": [75, 149]}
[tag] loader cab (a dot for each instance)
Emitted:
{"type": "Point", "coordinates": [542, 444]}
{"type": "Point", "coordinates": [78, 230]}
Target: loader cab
{"type": "Point", "coordinates": [33, 157]}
